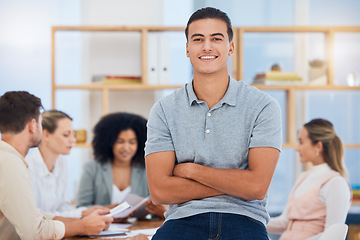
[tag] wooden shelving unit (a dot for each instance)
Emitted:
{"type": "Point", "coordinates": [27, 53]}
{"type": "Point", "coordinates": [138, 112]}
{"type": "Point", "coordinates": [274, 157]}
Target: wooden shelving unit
{"type": "Point", "coordinates": [105, 88]}
{"type": "Point", "coordinates": [329, 35]}
{"type": "Point", "coordinates": [237, 65]}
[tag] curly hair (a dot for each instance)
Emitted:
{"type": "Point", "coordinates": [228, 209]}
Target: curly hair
{"type": "Point", "coordinates": [107, 130]}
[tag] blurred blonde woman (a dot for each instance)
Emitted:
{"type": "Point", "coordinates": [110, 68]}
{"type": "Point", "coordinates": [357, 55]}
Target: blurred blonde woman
{"type": "Point", "coordinates": [322, 195]}
{"type": "Point", "coordinates": [47, 166]}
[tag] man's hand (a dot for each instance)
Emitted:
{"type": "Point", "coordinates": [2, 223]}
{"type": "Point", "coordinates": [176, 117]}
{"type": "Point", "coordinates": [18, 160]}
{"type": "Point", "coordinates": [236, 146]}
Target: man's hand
{"type": "Point", "coordinates": [94, 224]}
{"type": "Point", "coordinates": [93, 209]}
{"type": "Point", "coordinates": [158, 210]}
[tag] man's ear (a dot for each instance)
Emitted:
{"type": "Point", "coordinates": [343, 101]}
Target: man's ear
{"type": "Point", "coordinates": [32, 125]}
{"type": "Point", "coordinates": [231, 48]}
{"type": "Point", "coordinates": [187, 50]}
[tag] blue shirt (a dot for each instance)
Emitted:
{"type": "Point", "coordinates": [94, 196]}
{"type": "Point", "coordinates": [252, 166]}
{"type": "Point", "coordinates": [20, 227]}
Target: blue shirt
{"type": "Point", "coordinates": [219, 137]}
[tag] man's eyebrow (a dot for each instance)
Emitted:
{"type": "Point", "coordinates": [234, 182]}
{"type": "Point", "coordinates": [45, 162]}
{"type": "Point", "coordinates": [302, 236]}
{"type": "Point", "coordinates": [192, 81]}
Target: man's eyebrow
{"type": "Point", "coordinates": [217, 34]}
{"type": "Point", "coordinates": [202, 35]}
{"type": "Point", "coordinates": [197, 35]}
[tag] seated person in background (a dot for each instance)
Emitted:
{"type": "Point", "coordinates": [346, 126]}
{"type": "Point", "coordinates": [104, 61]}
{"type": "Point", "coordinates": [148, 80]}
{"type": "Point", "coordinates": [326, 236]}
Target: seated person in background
{"type": "Point", "coordinates": [321, 196]}
{"type": "Point", "coordinates": [119, 166]}
{"type": "Point", "coordinates": [47, 166]}
{"type": "Point", "coordinates": [20, 127]}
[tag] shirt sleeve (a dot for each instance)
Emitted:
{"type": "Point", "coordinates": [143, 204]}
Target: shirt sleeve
{"type": "Point", "coordinates": [158, 134]}
{"type": "Point", "coordinates": [337, 197]}
{"type": "Point", "coordinates": [267, 128]}
{"type": "Point", "coordinates": [278, 224]}
{"type": "Point", "coordinates": [18, 206]}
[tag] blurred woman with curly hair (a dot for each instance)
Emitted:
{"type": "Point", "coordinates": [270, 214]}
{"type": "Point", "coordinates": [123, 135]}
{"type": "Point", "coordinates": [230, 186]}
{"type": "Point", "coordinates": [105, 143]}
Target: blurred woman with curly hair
{"type": "Point", "coordinates": [119, 165]}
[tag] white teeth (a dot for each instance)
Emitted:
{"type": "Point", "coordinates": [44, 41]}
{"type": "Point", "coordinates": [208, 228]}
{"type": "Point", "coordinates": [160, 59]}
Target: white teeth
{"type": "Point", "coordinates": [207, 57]}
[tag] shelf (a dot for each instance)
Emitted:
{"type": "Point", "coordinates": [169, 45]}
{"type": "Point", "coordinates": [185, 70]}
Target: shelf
{"type": "Point", "coordinates": [301, 29]}
{"type": "Point", "coordinates": [329, 39]}
{"type": "Point", "coordinates": [144, 30]}
{"type": "Point", "coordinates": [116, 28]}
{"type": "Point", "coordinates": [237, 66]}
{"type": "Point", "coordinates": [83, 145]}
{"type": "Point", "coordinates": [96, 86]}
{"type": "Point", "coordinates": [131, 87]}
{"type": "Point", "coordinates": [305, 87]}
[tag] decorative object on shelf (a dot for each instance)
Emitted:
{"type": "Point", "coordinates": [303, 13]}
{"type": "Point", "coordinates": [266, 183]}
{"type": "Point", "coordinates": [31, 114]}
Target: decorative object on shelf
{"type": "Point", "coordinates": [317, 72]}
{"type": "Point", "coordinates": [355, 191]}
{"type": "Point", "coordinates": [353, 80]}
{"type": "Point", "coordinates": [275, 67]}
{"type": "Point", "coordinates": [80, 136]}
{"type": "Point", "coordinates": [116, 79]}
{"type": "Point", "coordinates": [277, 77]}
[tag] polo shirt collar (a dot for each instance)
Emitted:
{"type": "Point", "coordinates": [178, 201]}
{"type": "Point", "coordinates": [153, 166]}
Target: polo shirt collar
{"type": "Point", "coordinates": [229, 97]}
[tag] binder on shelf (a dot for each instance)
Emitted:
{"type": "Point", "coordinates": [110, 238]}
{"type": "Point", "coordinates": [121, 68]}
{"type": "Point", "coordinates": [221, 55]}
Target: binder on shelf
{"type": "Point", "coordinates": [164, 59]}
{"type": "Point", "coordinates": [158, 59]}
{"type": "Point", "coordinates": [152, 70]}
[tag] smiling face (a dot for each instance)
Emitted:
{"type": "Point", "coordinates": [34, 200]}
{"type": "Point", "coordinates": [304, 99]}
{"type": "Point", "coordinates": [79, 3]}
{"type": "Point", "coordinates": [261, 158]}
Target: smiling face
{"type": "Point", "coordinates": [62, 140]}
{"type": "Point", "coordinates": [208, 47]}
{"type": "Point", "coordinates": [308, 151]}
{"type": "Point", "coordinates": [125, 146]}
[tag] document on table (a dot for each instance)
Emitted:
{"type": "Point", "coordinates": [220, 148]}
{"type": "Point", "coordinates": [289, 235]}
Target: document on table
{"type": "Point", "coordinates": [115, 230]}
{"type": "Point", "coordinates": [118, 209]}
{"type": "Point", "coordinates": [149, 232]}
{"type": "Point", "coordinates": [137, 204]}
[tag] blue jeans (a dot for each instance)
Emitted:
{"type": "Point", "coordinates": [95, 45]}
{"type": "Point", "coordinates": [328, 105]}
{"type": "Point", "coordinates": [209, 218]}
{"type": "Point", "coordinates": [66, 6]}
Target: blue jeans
{"type": "Point", "coordinates": [211, 226]}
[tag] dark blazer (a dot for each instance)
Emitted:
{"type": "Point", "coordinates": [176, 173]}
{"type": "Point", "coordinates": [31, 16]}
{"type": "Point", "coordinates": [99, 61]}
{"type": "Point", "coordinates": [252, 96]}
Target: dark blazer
{"type": "Point", "coordinates": [96, 184]}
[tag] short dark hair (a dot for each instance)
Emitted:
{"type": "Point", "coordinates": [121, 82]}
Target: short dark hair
{"type": "Point", "coordinates": [107, 130]}
{"type": "Point", "coordinates": [16, 109]}
{"type": "Point", "coordinates": [210, 12]}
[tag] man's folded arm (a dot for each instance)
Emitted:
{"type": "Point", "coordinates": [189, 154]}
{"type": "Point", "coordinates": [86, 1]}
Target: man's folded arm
{"type": "Point", "coordinates": [251, 184]}
{"type": "Point", "coordinates": [165, 188]}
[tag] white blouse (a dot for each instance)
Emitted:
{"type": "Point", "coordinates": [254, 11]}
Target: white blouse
{"type": "Point", "coordinates": [335, 194]}
{"type": "Point", "coordinates": [118, 196]}
{"type": "Point", "coordinates": [50, 187]}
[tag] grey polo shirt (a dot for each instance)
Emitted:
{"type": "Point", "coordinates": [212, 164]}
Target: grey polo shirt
{"type": "Point", "coordinates": [219, 137]}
